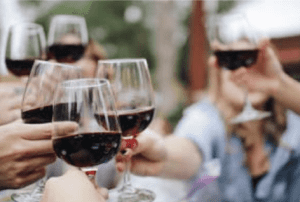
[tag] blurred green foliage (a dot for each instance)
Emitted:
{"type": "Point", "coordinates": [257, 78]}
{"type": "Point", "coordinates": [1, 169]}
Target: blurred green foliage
{"type": "Point", "coordinates": [106, 24]}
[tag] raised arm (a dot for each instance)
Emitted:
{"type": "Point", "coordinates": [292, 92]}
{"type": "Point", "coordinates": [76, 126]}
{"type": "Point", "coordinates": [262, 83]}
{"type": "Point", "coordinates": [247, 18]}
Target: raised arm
{"type": "Point", "coordinates": [268, 76]}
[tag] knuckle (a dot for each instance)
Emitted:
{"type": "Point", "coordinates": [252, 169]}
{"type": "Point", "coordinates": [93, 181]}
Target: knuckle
{"type": "Point", "coordinates": [18, 151]}
{"type": "Point", "coordinates": [19, 182]}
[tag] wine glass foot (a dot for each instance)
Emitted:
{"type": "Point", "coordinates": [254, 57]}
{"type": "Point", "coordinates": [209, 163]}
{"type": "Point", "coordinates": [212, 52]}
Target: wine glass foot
{"type": "Point", "coordinates": [139, 195]}
{"type": "Point", "coordinates": [146, 195]}
{"type": "Point", "coordinates": [20, 197]}
{"type": "Point", "coordinates": [248, 115]}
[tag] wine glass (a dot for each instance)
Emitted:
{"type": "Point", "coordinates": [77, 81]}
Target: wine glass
{"type": "Point", "coordinates": [37, 104]}
{"type": "Point", "coordinates": [132, 88]}
{"type": "Point", "coordinates": [90, 103]}
{"type": "Point", "coordinates": [67, 38]}
{"type": "Point", "coordinates": [235, 44]}
{"type": "Point", "coordinates": [25, 43]}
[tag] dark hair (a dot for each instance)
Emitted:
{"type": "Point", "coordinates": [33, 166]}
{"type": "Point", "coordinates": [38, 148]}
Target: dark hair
{"type": "Point", "coordinates": [274, 125]}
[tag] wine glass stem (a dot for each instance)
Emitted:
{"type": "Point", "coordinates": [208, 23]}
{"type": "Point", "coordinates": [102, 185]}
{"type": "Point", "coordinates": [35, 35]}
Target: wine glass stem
{"type": "Point", "coordinates": [127, 179]}
{"type": "Point", "coordinates": [247, 104]}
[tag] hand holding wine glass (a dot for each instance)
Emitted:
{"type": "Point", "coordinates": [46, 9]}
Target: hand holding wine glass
{"type": "Point", "coordinates": [235, 44]}
{"type": "Point", "coordinates": [26, 42]}
{"type": "Point", "coordinates": [37, 104]}
{"type": "Point", "coordinates": [132, 88]}
{"type": "Point", "coordinates": [67, 38]}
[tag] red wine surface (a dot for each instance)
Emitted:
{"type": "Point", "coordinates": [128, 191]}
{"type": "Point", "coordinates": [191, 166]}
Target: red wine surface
{"type": "Point", "coordinates": [38, 115]}
{"type": "Point", "coordinates": [87, 149]}
{"type": "Point", "coordinates": [233, 60]}
{"type": "Point", "coordinates": [64, 112]}
{"type": "Point", "coordinates": [132, 122]}
{"type": "Point", "coordinates": [19, 67]}
{"type": "Point", "coordinates": [68, 53]}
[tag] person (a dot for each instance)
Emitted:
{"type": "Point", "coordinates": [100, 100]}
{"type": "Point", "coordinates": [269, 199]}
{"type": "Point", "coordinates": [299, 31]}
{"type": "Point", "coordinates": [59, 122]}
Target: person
{"type": "Point", "coordinates": [73, 186]}
{"type": "Point", "coordinates": [271, 79]}
{"type": "Point", "coordinates": [26, 149]}
{"type": "Point", "coordinates": [259, 160]}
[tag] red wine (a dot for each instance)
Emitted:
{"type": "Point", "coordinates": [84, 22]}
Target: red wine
{"type": "Point", "coordinates": [132, 122]}
{"type": "Point", "coordinates": [38, 115]}
{"type": "Point", "coordinates": [19, 67]}
{"type": "Point", "coordinates": [69, 53]}
{"type": "Point", "coordinates": [233, 60]}
{"type": "Point", "coordinates": [87, 149]}
{"type": "Point", "coordinates": [64, 111]}
{"type": "Point", "coordinates": [67, 112]}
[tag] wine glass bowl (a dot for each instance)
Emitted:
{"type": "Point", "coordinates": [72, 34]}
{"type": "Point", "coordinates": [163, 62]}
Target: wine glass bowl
{"type": "Point", "coordinates": [67, 38]}
{"type": "Point", "coordinates": [132, 89]}
{"type": "Point", "coordinates": [89, 103]}
{"type": "Point", "coordinates": [37, 103]}
{"type": "Point", "coordinates": [25, 43]}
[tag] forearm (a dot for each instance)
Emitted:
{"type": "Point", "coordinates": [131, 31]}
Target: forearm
{"type": "Point", "coordinates": [287, 92]}
{"type": "Point", "coordinates": [183, 158]}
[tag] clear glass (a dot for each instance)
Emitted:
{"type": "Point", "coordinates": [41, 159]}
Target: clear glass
{"type": "Point", "coordinates": [131, 84]}
{"type": "Point", "coordinates": [90, 103]}
{"type": "Point", "coordinates": [235, 43]}
{"type": "Point", "coordinates": [67, 38]}
{"type": "Point", "coordinates": [37, 105]}
{"type": "Point", "coordinates": [25, 43]}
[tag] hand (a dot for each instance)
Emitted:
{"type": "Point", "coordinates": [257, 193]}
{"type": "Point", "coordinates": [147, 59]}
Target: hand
{"type": "Point", "coordinates": [26, 149]}
{"type": "Point", "coordinates": [265, 75]}
{"type": "Point", "coordinates": [147, 158]}
{"type": "Point", "coordinates": [73, 186]}
{"type": "Point", "coordinates": [10, 106]}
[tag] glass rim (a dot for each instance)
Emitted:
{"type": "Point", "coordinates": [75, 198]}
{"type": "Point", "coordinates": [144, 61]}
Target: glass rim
{"type": "Point", "coordinates": [97, 82]}
{"type": "Point", "coordinates": [67, 16]}
{"type": "Point", "coordinates": [125, 60]}
{"type": "Point", "coordinates": [28, 24]}
{"type": "Point", "coordinates": [36, 61]}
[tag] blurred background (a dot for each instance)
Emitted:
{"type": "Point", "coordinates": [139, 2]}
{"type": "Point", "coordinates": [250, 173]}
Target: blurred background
{"type": "Point", "coordinates": [170, 34]}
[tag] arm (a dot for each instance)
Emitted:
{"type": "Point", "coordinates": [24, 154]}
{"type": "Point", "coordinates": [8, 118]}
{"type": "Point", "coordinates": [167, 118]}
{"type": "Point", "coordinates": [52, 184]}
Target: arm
{"type": "Point", "coordinates": [74, 186]}
{"type": "Point", "coordinates": [267, 76]}
{"type": "Point", "coordinates": [171, 157]}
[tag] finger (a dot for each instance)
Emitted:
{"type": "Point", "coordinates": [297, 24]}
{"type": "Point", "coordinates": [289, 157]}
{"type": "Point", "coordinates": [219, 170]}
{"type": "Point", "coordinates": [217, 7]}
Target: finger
{"type": "Point", "coordinates": [125, 155]}
{"type": "Point", "coordinates": [15, 102]}
{"type": "Point", "coordinates": [33, 163]}
{"type": "Point", "coordinates": [38, 147]}
{"type": "Point", "coordinates": [120, 166]}
{"type": "Point", "coordinates": [144, 167]}
{"type": "Point", "coordinates": [64, 128]}
{"type": "Point", "coordinates": [36, 131]}
{"type": "Point", "coordinates": [103, 192]}
{"type": "Point", "coordinates": [22, 181]}
{"type": "Point", "coordinates": [151, 145]}
{"type": "Point", "coordinates": [10, 116]}
{"type": "Point", "coordinates": [238, 73]}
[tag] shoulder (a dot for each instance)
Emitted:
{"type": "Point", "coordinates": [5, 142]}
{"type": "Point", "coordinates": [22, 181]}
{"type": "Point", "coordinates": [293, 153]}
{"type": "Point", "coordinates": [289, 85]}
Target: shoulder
{"type": "Point", "coordinates": [201, 117]}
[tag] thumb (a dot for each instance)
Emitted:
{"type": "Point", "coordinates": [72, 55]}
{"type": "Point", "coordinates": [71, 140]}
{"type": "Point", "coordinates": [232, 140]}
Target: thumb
{"type": "Point", "coordinates": [34, 131]}
{"type": "Point", "coordinates": [65, 127]}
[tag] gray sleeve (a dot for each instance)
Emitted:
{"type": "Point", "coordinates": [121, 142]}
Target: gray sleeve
{"type": "Point", "coordinates": [204, 129]}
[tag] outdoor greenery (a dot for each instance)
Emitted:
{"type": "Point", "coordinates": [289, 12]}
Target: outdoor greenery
{"type": "Point", "coordinates": [106, 24]}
